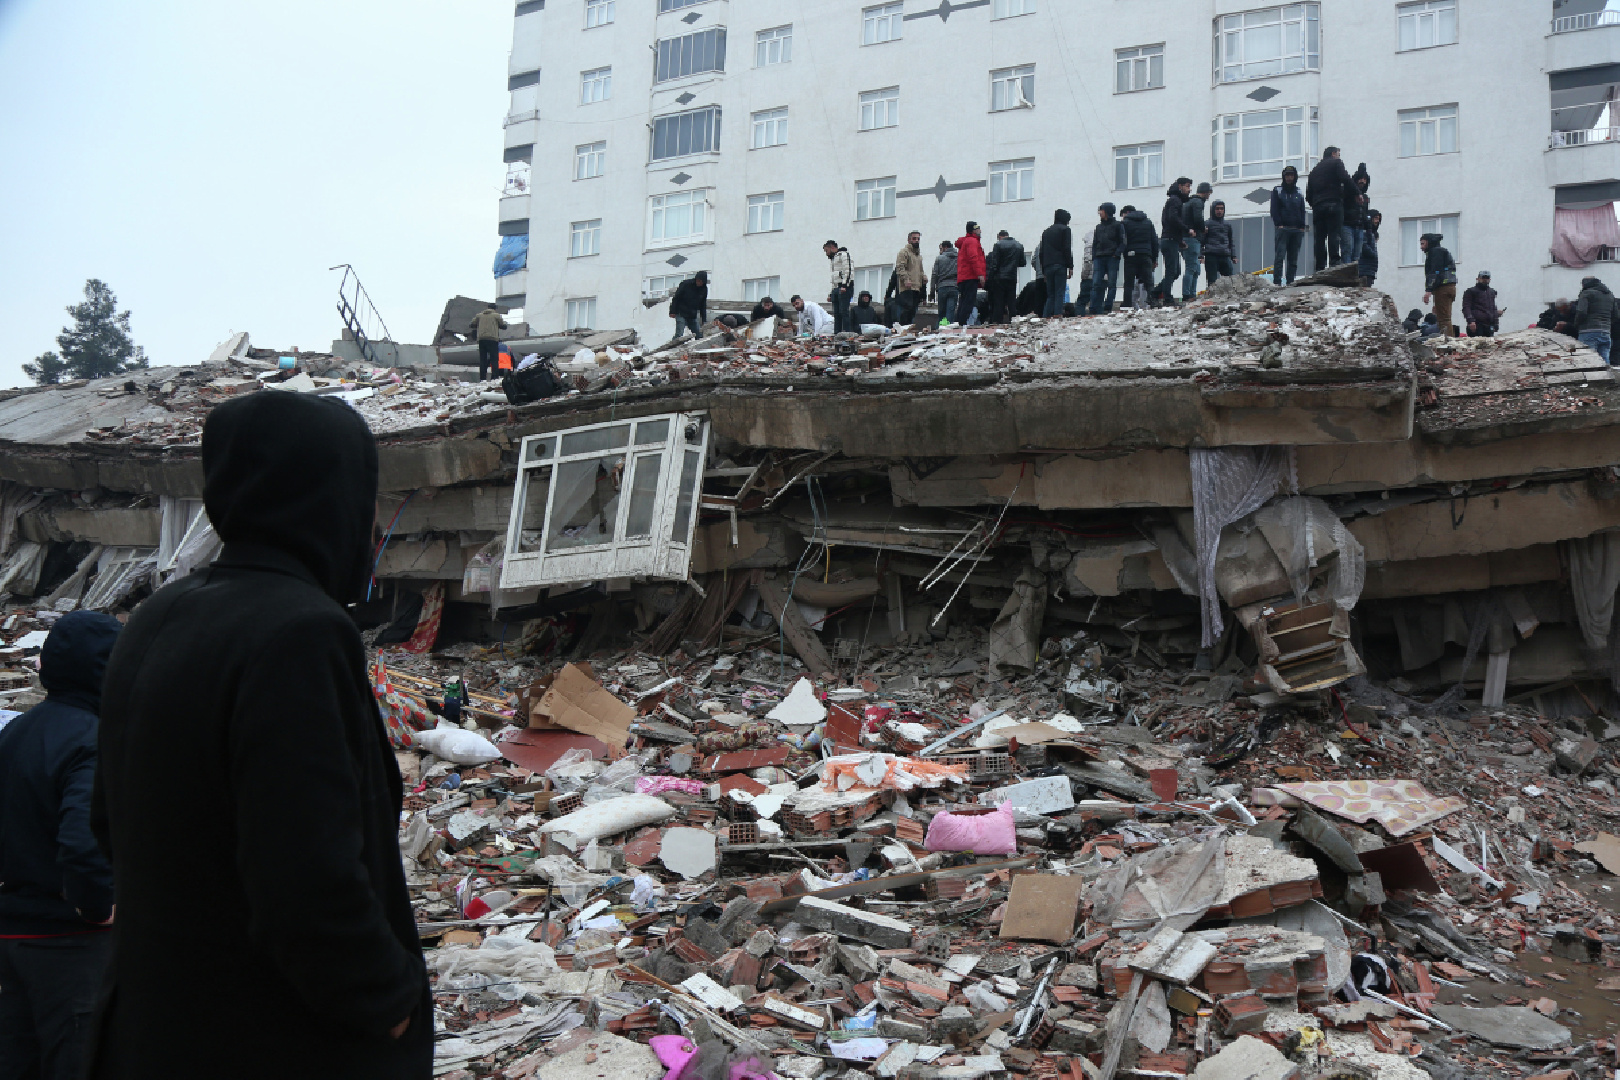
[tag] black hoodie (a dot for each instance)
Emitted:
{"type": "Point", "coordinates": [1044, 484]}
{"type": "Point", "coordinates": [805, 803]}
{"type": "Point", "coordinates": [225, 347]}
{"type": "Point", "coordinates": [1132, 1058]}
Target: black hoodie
{"type": "Point", "coordinates": [1594, 307]}
{"type": "Point", "coordinates": [1140, 239]}
{"type": "Point", "coordinates": [53, 877]}
{"type": "Point", "coordinates": [1170, 217]}
{"type": "Point", "coordinates": [1057, 243]}
{"type": "Point", "coordinates": [1108, 238]}
{"type": "Point", "coordinates": [247, 792]}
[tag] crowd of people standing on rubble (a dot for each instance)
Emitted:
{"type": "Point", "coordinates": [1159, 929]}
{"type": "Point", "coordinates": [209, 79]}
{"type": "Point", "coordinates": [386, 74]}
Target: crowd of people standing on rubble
{"type": "Point", "coordinates": [975, 281]}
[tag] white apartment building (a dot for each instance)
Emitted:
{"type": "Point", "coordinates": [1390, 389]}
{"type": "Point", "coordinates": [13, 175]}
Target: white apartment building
{"type": "Point", "coordinates": [649, 139]}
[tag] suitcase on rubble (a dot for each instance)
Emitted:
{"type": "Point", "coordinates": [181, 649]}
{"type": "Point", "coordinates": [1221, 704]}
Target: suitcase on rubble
{"type": "Point", "coordinates": [536, 382]}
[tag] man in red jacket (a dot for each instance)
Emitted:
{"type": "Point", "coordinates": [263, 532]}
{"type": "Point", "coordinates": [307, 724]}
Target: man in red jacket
{"type": "Point", "coordinates": [969, 272]}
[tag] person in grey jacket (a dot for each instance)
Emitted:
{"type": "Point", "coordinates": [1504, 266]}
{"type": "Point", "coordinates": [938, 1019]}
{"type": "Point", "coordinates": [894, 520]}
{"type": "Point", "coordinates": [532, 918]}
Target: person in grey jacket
{"type": "Point", "coordinates": [1594, 315]}
{"type": "Point", "coordinates": [1218, 243]}
{"type": "Point", "coordinates": [943, 280]}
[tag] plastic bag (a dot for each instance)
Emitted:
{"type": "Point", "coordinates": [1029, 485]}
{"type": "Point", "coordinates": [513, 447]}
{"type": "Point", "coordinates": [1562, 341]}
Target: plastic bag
{"type": "Point", "coordinates": [458, 745]}
{"type": "Point", "coordinates": [983, 834]}
{"type": "Point", "coordinates": [610, 816]}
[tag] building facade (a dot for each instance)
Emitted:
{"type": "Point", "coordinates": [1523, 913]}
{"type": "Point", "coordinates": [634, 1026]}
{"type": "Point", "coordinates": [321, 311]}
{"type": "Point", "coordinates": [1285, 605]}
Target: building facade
{"type": "Point", "coordinates": [649, 139]}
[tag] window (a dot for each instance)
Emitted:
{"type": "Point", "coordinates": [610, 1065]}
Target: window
{"type": "Point", "coordinates": [765, 212]}
{"type": "Point", "coordinates": [773, 46]}
{"type": "Point", "coordinates": [679, 216]}
{"type": "Point", "coordinates": [1138, 166]}
{"type": "Point", "coordinates": [880, 108]}
{"type": "Point", "coordinates": [770, 128]}
{"type": "Point", "coordinates": [595, 85]}
{"type": "Point", "coordinates": [1006, 9]}
{"type": "Point", "coordinates": [690, 54]}
{"type": "Point", "coordinates": [1011, 181]}
{"type": "Point", "coordinates": [1141, 68]}
{"type": "Point", "coordinates": [517, 178]}
{"type": "Point", "coordinates": [874, 198]}
{"type": "Point", "coordinates": [872, 279]}
{"type": "Point", "coordinates": [1429, 131]}
{"type": "Point", "coordinates": [1413, 228]}
{"type": "Point", "coordinates": [1012, 88]}
{"type": "Point", "coordinates": [1258, 144]}
{"type": "Point", "coordinates": [589, 160]}
{"type": "Point", "coordinates": [1271, 41]}
{"type": "Point", "coordinates": [660, 285]}
{"type": "Point", "coordinates": [585, 238]}
{"type": "Point", "coordinates": [881, 23]}
{"type": "Point", "coordinates": [756, 289]}
{"type": "Point", "coordinates": [581, 314]}
{"type": "Point", "coordinates": [598, 13]}
{"type": "Point", "coordinates": [676, 5]}
{"type": "Point", "coordinates": [1425, 25]}
{"type": "Point", "coordinates": [693, 132]}
{"type": "Point", "coordinates": [607, 500]}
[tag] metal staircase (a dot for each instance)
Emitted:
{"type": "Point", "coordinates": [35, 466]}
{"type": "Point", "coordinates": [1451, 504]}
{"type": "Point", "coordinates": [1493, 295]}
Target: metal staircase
{"type": "Point", "coordinates": [360, 316]}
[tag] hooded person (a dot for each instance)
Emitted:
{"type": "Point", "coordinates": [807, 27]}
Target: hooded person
{"type": "Point", "coordinates": [1141, 254]}
{"type": "Point", "coordinates": [1288, 223]}
{"type": "Point", "coordinates": [1327, 189]}
{"type": "Point", "coordinates": [1439, 280]}
{"type": "Point", "coordinates": [1413, 321]}
{"type": "Point", "coordinates": [1594, 314]}
{"type": "Point", "coordinates": [1355, 213]}
{"type": "Point", "coordinates": [863, 313]}
{"type": "Point", "coordinates": [1107, 246]}
{"type": "Point", "coordinates": [56, 900]}
{"type": "Point", "coordinates": [1368, 263]}
{"type": "Point", "coordinates": [1055, 253]}
{"type": "Point", "coordinates": [1218, 247]}
{"type": "Point", "coordinates": [1173, 232]}
{"type": "Point", "coordinates": [238, 721]}
{"type": "Point", "coordinates": [689, 307]}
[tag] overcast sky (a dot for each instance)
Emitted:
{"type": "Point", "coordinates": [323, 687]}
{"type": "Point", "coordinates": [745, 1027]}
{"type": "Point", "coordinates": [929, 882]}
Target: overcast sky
{"type": "Point", "coordinates": [209, 161]}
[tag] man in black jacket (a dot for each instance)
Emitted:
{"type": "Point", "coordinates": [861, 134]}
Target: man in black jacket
{"type": "Point", "coordinates": [1141, 255]}
{"type": "Point", "coordinates": [1001, 266]}
{"type": "Point", "coordinates": [56, 900]}
{"type": "Point", "coordinates": [1326, 189]}
{"type": "Point", "coordinates": [247, 793]}
{"type": "Point", "coordinates": [1172, 233]}
{"type": "Point", "coordinates": [1192, 218]}
{"type": "Point", "coordinates": [1056, 256]}
{"type": "Point", "coordinates": [1218, 247]}
{"type": "Point", "coordinates": [1439, 280]}
{"type": "Point", "coordinates": [1107, 245]}
{"type": "Point", "coordinates": [1288, 223]}
{"type": "Point", "coordinates": [765, 309]}
{"type": "Point", "coordinates": [689, 307]}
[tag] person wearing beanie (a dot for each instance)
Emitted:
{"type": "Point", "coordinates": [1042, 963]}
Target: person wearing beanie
{"type": "Point", "coordinates": [1055, 255]}
{"type": "Point", "coordinates": [1107, 246]}
{"type": "Point", "coordinates": [1479, 311]}
{"type": "Point", "coordinates": [1439, 280]}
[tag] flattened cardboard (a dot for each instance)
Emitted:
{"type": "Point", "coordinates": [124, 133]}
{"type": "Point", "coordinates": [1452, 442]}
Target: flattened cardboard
{"type": "Point", "coordinates": [1032, 733]}
{"type": "Point", "coordinates": [1042, 907]}
{"type": "Point", "coordinates": [1605, 849]}
{"type": "Point", "coordinates": [579, 703]}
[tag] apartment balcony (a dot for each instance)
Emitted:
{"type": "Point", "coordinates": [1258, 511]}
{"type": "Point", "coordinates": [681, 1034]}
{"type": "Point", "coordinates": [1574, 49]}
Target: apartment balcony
{"type": "Point", "coordinates": [510, 289]}
{"type": "Point", "coordinates": [515, 208]}
{"type": "Point", "coordinates": [1587, 20]}
{"type": "Point", "coordinates": [1584, 41]}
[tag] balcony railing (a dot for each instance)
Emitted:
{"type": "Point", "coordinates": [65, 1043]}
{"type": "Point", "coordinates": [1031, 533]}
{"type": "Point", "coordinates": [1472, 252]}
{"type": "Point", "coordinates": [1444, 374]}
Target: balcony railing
{"type": "Point", "coordinates": [1582, 137]}
{"type": "Point", "coordinates": [1568, 24]}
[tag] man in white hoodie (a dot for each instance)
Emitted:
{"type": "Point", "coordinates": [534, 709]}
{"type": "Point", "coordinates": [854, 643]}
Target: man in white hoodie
{"type": "Point", "coordinates": [813, 318]}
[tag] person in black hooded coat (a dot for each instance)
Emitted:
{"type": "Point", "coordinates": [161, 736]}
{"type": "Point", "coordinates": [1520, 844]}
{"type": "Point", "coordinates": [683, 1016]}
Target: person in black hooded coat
{"type": "Point", "coordinates": [247, 794]}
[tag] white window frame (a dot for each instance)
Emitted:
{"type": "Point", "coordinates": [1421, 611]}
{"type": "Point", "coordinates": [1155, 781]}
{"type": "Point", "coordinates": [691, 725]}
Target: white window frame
{"type": "Point", "coordinates": [876, 194]}
{"type": "Point", "coordinates": [1012, 181]}
{"type": "Point", "coordinates": [1142, 160]}
{"type": "Point", "coordinates": [660, 208]}
{"type": "Point", "coordinates": [1011, 9]}
{"type": "Point", "coordinates": [872, 279]}
{"type": "Point", "coordinates": [757, 288]}
{"type": "Point", "coordinates": [769, 128]}
{"type": "Point", "coordinates": [1415, 227]}
{"type": "Point", "coordinates": [544, 556]}
{"type": "Point", "coordinates": [1235, 136]}
{"type": "Point", "coordinates": [595, 85]}
{"type": "Point", "coordinates": [580, 313]}
{"type": "Point", "coordinates": [590, 160]}
{"type": "Point", "coordinates": [1139, 68]}
{"type": "Point", "coordinates": [1012, 88]}
{"type": "Point", "coordinates": [519, 175]}
{"type": "Point", "coordinates": [765, 212]}
{"type": "Point", "coordinates": [1240, 32]}
{"type": "Point", "coordinates": [880, 108]}
{"type": "Point", "coordinates": [712, 126]}
{"type": "Point", "coordinates": [1413, 21]}
{"type": "Point", "coordinates": [584, 238]}
{"type": "Point", "coordinates": [1431, 122]}
{"type": "Point", "coordinates": [773, 46]}
{"type": "Point", "coordinates": [881, 23]}
{"type": "Point", "coordinates": [598, 13]}
{"type": "Point", "coordinates": [658, 286]}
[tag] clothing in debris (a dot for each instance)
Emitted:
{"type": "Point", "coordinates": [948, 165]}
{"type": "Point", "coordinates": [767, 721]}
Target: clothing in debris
{"type": "Point", "coordinates": [56, 887]}
{"type": "Point", "coordinates": [282, 923]}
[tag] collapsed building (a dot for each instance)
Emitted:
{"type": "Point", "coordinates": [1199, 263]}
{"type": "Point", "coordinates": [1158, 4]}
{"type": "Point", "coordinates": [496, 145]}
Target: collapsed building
{"type": "Point", "coordinates": [1275, 481]}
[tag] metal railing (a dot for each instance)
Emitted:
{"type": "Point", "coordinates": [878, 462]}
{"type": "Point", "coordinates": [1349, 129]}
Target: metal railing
{"type": "Point", "coordinates": [1583, 137]}
{"type": "Point", "coordinates": [1566, 24]}
{"type": "Point", "coordinates": [360, 315]}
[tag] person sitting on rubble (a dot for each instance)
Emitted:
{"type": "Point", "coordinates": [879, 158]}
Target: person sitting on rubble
{"type": "Point", "coordinates": [266, 891]}
{"type": "Point", "coordinates": [863, 313]}
{"type": "Point", "coordinates": [813, 318]}
{"type": "Point", "coordinates": [1559, 317]}
{"type": "Point", "coordinates": [765, 309]}
{"type": "Point", "coordinates": [1479, 308]}
{"type": "Point", "coordinates": [1413, 321]}
{"type": "Point", "coordinates": [1430, 326]}
{"type": "Point", "coordinates": [56, 906]}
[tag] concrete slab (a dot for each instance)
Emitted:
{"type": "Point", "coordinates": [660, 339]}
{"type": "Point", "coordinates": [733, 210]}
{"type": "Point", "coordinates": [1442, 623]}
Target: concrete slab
{"type": "Point", "coordinates": [1247, 1058]}
{"type": "Point", "coordinates": [688, 852]}
{"type": "Point", "coordinates": [604, 1056]}
{"type": "Point", "coordinates": [1506, 1025]}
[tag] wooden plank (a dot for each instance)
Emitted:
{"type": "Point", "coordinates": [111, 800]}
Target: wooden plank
{"type": "Point", "coordinates": [806, 645]}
